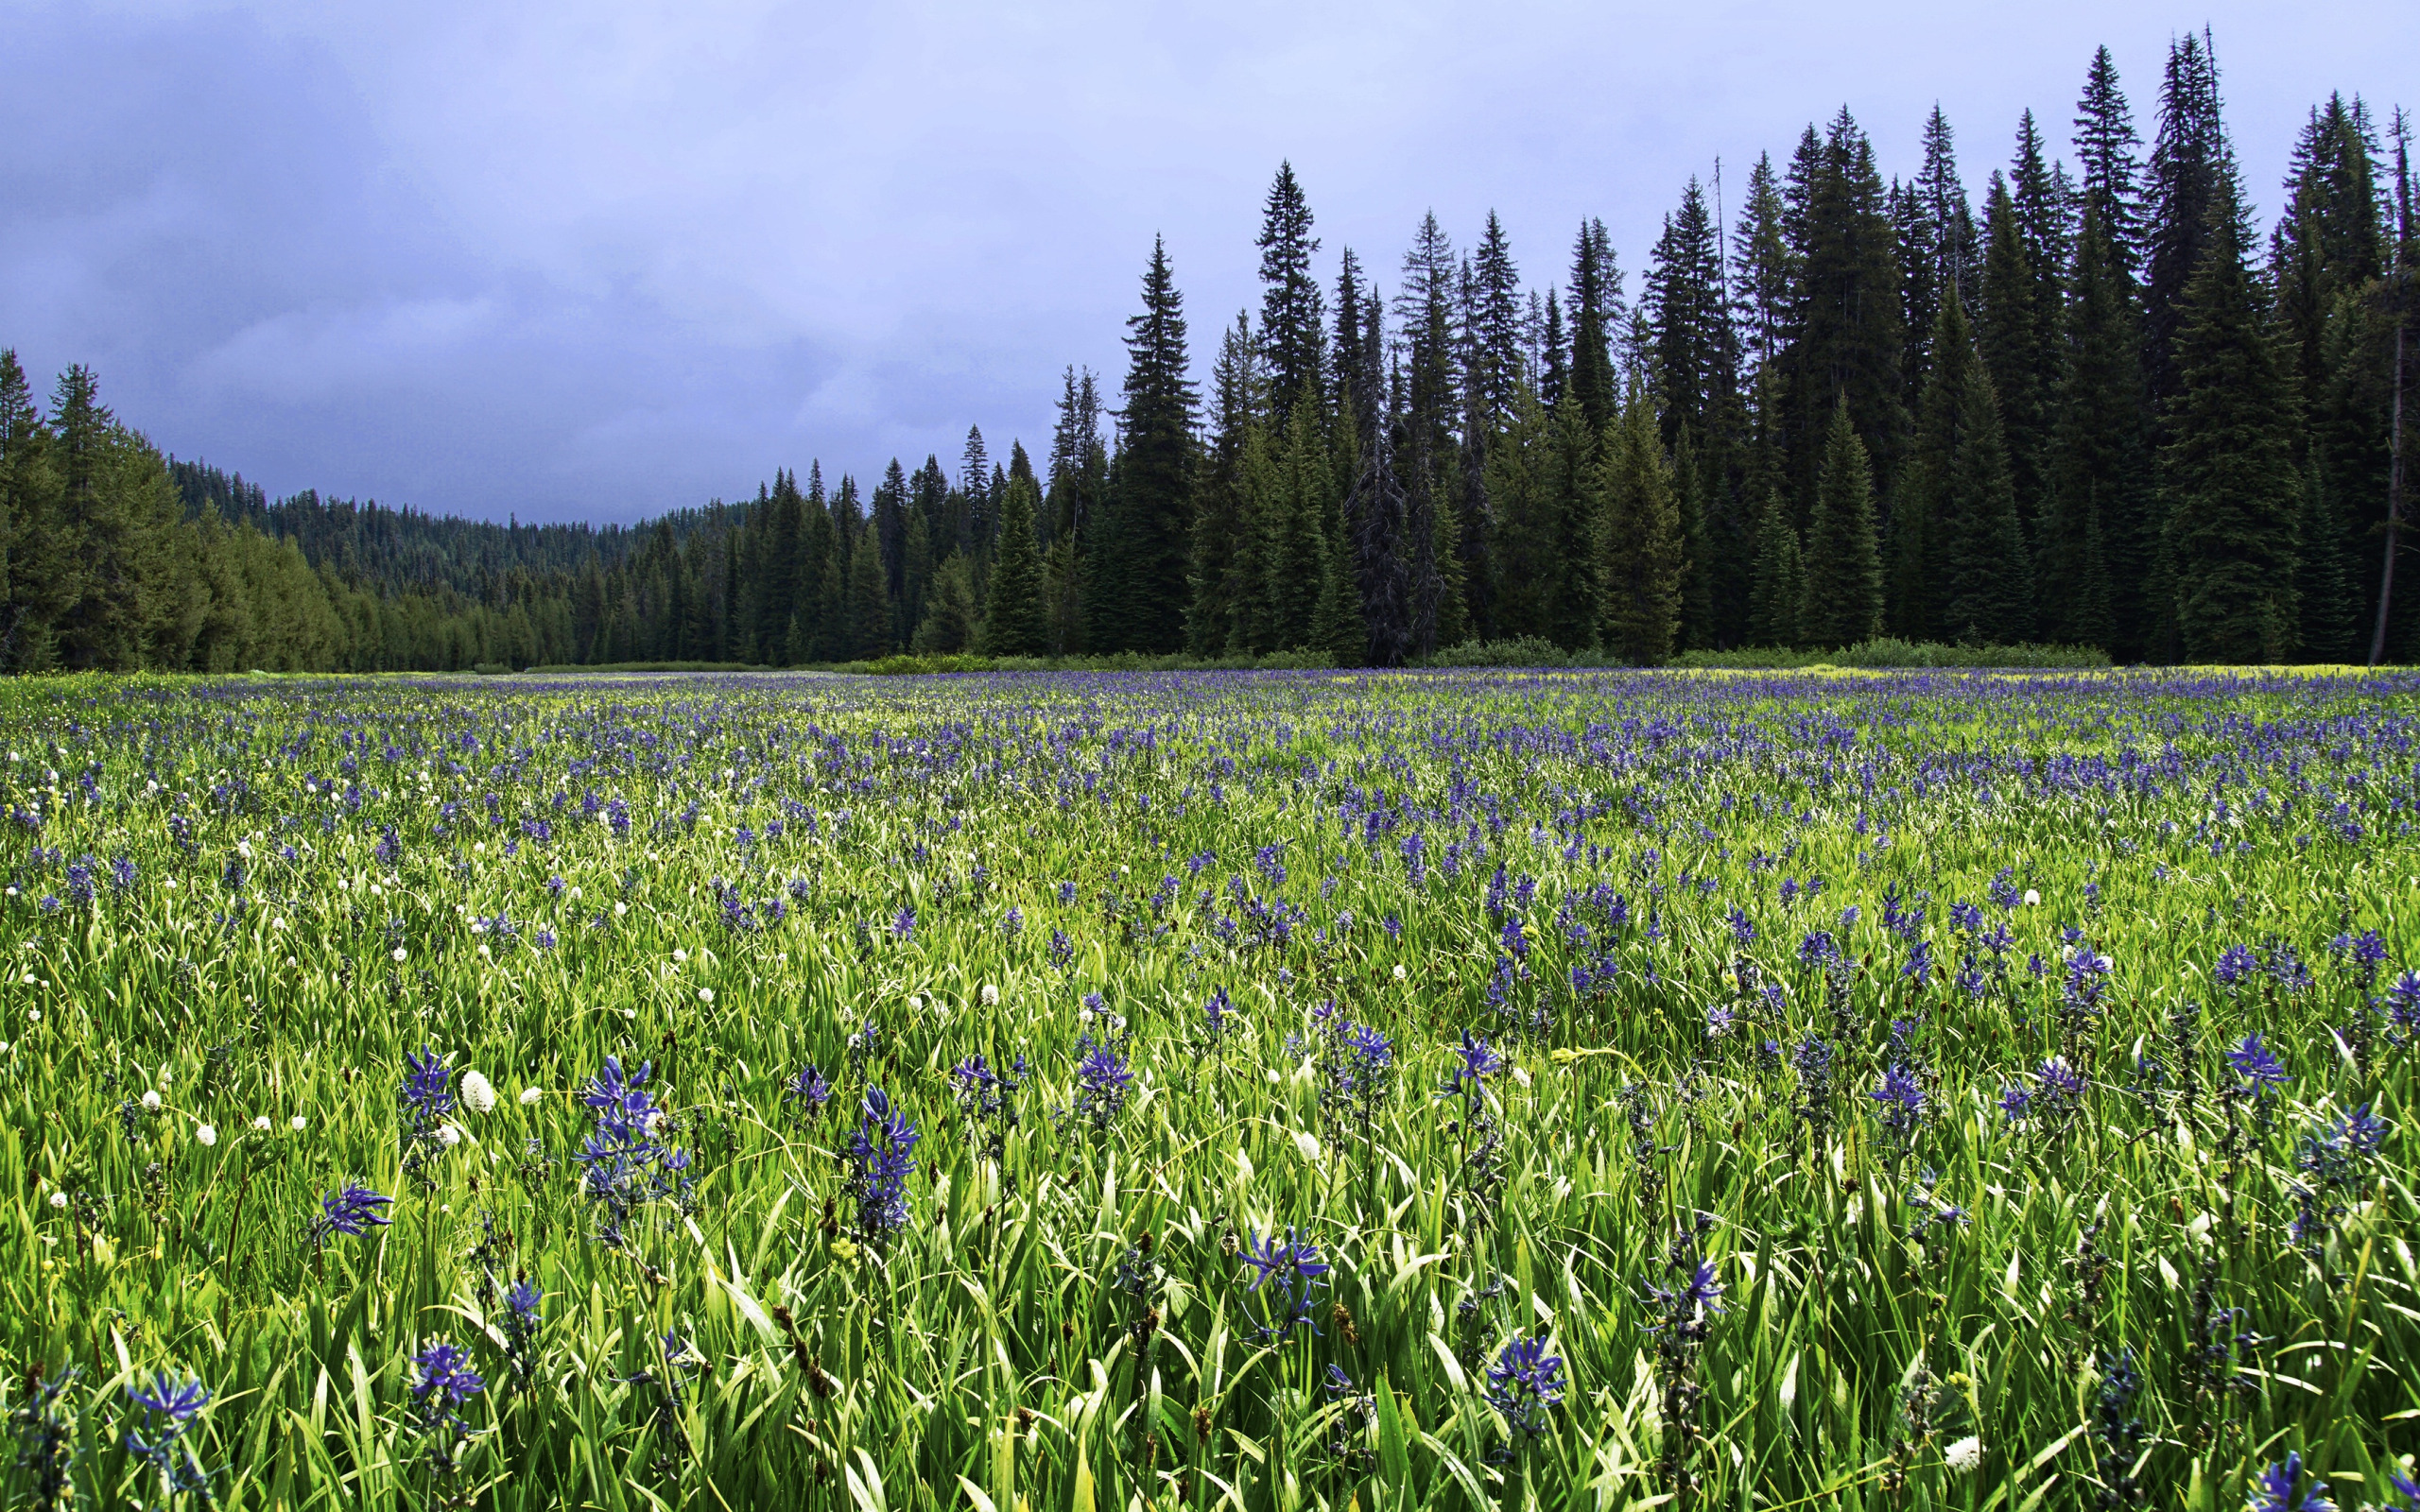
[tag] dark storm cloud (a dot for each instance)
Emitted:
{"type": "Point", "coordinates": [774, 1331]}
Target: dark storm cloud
{"type": "Point", "coordinates": [603, 261]}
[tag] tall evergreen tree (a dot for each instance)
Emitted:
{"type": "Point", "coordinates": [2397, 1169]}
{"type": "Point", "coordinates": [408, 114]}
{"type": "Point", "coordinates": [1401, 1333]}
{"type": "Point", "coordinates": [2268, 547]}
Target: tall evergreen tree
{"type": "Point", "coordinates": [44, 568]}
{"type": "Point", "coordinates": [1982, 578]}
{"type": "Point", "coordinates": [1846, 319]}
{"type": "Point", "coordinates": [1639, 541]}
{"type": "Point", "coordinates": [1292, 328]}
{"type": "Point", "coordinates": [1496, 365]}
{"type": "Point", "coordinates": [2189, 157]}
{"type": "Point", "coordinates": [1840, 602]}
{"type": "Point", "coordinates": [1224, 573]}
{"type": "Point", "coordinates": [1156, 467]}
{"type": "Point", "coordinates": [2234, 499]}
{"type": "Point", "coordinates": [1762, 274]}
{"type": "Point", "coordinates": [1012, 619]}
{"type": "Point", "coordinates": [1597, 313]}
{"type": "Point", "coordinates": [2018, 340]}
{"type": "Point", "coordinates": [1773, 603]}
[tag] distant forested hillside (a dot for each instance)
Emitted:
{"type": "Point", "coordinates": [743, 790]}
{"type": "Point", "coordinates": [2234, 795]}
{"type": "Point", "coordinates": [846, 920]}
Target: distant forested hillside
{"type": "Point", "coordinates": [2099, 407]}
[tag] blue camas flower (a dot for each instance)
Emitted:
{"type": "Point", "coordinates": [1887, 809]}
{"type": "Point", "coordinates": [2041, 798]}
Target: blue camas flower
{"type": "Point", "coordinates": [625, 1163]}
{"type": "Point", "coordinates": [1524, 1385]}
{"type": "Point", "coordinates": [880, 1160]}
{"type": "Point", "coordinates": [169, 1404]}
{"type": "Point", "coordinates": [2257, 1066]}
{"type": "Point", "coordinates": [1102, 1080]}
{"type": "Point", "coordinates": [351, 1210]}
{"type": "Point", "coordinates": [1288, 1276]}
{"type": "Point", "coordinates": [2286, 1486]}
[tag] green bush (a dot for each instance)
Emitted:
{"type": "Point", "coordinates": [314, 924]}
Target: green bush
{"type": "Point", "coordinates": [1526, 651]}
{"type": "Point", "coordinates": [1888, 653]}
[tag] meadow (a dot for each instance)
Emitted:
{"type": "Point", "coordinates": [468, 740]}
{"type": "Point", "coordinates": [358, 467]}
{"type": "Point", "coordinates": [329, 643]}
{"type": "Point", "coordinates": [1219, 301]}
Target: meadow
{"type": "Point", "coordinates": [1278, 1089]}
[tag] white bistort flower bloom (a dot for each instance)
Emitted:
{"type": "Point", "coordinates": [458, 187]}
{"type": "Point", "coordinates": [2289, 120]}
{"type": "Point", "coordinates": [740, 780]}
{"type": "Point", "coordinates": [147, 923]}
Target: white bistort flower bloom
{"type": "Point", "coordinates": [1964, 1457]}
{"type": "Point", "coordinates": [478, 1093]}
{"type": "Point", "coordinates": [151, 1102]}
{"type": "Point", "coordinates": [530, 1096]}
{"type": "Point", "coordinates": [991, 996]}
{"type": "Point", "coordinates": [205, 1135]}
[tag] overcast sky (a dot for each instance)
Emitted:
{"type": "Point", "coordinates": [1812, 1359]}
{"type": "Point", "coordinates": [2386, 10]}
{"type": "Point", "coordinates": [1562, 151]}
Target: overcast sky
{"type": "Point", "coordinates": [596, 261]}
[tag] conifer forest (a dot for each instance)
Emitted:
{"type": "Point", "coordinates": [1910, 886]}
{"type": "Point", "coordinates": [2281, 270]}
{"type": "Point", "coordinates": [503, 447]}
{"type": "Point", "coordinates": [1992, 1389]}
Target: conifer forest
{"type": "Point", "coordinates": [2093, 404]}
{"type": "Point", "coordinates": [1789, 881]}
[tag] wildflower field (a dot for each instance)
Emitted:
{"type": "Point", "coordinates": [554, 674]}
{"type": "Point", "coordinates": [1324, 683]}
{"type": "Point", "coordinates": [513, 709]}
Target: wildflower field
{"type": "Point", "coordinates": [1263, 1090]}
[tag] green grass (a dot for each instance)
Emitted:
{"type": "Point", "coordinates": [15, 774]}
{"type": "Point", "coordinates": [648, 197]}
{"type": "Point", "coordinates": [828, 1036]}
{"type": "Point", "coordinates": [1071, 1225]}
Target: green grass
{"type": "Point", "coordinates": [1068, 1323]}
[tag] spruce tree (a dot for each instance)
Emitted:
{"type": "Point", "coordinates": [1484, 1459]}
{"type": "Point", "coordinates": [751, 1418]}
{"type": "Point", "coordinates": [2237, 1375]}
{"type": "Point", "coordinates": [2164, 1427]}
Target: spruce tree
{"type": "Point", "coordinates": [1293, 334]}
{"type": "Point", "coordinates": [1846, 327]}
{"type": "Point", "coordinates": [1519, 464]}
{"type": "Point", "coordinates": [1639, 541]}
{"type": "Point", "coordinates": [1222, 571]}
{"type": "Point", "coordinates": [1840, 602]}
{"type": "Point", "coordinates": [1012, 621]}
{"type": "Point", "coordinates": [2017, 347]}
{"type": "Point", "coordinates": [1773, 603]}
{"type": "Point", "coordinates": [2190, 156]}
{"type": "Point", "coordinates": [2234, 499]}
{"type": "Point", "coordinates": [1984, 589]}
{"type": "Point", "coordinates": [1762, 275]}
{"type": "Point", "coordinates": [1596, 314]}
{"type": "Point", "coordinates": [1156, 469]}
{"type": "Point", "coordinates": [44, 566]}
{"type": "Point", "coordinates": [1297, 563]}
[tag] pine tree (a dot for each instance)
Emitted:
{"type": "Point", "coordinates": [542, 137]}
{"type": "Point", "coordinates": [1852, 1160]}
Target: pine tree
{"type": "Point", "coordinates": [1156, 467]}
{"type": "Point", "coordinates": [1595, 315]}
{"type": "Point", "coordinates": [2190, 156]}
{"type": "Point", "coordinates": [2233, 497]}
{"type": "Point", "coordinates": [2105, 144]}
{"type": "Point", "coordinates": [1496, 366]}
{"type": "Point", "coordinates": [1984, 582]}
{"type": "Point", "coordinates": [2327, 258]}
{"type": "Point", "coordinates": [2016, 342]}
{"type": "Point", "coordinates": [1572, 507]}
{"type": "Point", "coordinates": [1428, 459]}
{"type": "Point", "coordinates": [1840, 602]}
{"type": "Point", "coordinates": [1846, 320]}
{"type": "Point", "coordinates": [1772, 605]}
{"type": "Point", "coordinates": [1222, 574]}
{"type": "Point", "coordinates": [949, 624]}
{"type": "Point", "coordinates": [44, 568]}
{"type": "Point", "coordinates": [1012, 622]}
{"type": "Point", "coordinates": [1292, 328]}
{"type": "Point", "coordinates": [1378, 510]}
{"type": "Point", "coordinates": [1296, 566]}
{"type": "Point", "coordinates": [1519, 464]}
{"type": "Point", "coordinates": [1762, 275]}
{"type": "Point", "coordinates": [1639, 540]}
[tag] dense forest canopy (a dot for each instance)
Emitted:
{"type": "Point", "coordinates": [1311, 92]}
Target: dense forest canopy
{"type": "Point", "coordinates": [2092, 406]}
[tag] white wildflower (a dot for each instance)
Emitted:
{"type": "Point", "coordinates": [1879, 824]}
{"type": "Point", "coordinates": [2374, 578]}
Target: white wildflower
{"type": "Point", "coordinates": [1964, 1457]}
{"type": "Point", "coordinates": [297, 1122]}
{"type": "Point", "coordinates": [58, 1200]}
{"type": "Point", "coordinates": [205, 1136]}
{"type": "Point", "coordinates": [2033, 897]}
{"type": "Point", "coordinates": [448, 1135]}
{"type": "Point", "coordinates": [991, 996]}
{"type": "Point", "coordinates": [151, 1102]}
{"type": "Point", "coordinates": [478, 1093]}
{"type": "Point", "coordinates": [531, 1095]}
{"type": "Point", "coordinates": [262, 1123]}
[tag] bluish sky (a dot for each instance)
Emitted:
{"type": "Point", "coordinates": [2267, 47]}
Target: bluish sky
{"type": "Point", "coordinates": [596, 261]}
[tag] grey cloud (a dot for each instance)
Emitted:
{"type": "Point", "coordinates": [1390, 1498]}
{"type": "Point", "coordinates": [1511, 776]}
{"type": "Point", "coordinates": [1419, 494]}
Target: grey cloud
{"type": "Point", "coordinates": [600, 261]}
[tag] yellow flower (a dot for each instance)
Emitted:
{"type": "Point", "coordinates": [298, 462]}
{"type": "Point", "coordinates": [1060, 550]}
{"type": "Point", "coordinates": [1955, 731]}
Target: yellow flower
{"type": "Point", "coordinates": [845, 1251]}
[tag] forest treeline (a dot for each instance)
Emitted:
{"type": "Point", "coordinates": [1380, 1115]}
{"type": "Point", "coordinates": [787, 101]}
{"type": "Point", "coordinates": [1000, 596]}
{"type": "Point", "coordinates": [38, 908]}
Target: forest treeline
{"type": "Point", "coordinates": [2096, 407]}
